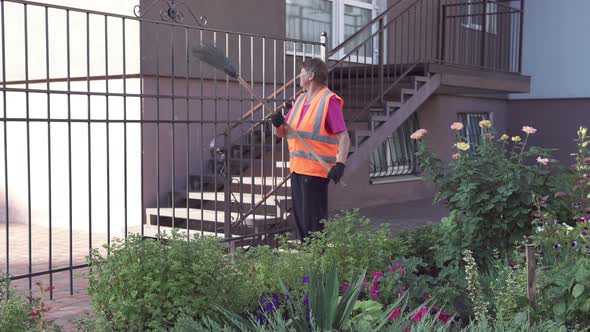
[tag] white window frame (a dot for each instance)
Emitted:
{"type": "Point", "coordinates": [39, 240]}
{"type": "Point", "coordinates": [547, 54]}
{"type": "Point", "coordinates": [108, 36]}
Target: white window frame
{"type": "Point", "coordinates": [336, 36]}
{"type": "Point", "coordinates": [491, 20]}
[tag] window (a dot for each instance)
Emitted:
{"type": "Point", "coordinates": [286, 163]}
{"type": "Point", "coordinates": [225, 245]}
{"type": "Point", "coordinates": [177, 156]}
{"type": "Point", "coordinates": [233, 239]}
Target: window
{"type": "Point", "coordinates": [471, 129]}
{"type": "Point", "coordinates": [474, 16]}
{"type": "Point", "coordinates": [307, 19]}
{"type": "Point", "coordinates": [397, 155]}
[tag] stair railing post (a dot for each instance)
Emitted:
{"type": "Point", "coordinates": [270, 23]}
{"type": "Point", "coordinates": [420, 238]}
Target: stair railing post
{"type": "Point", "coordinates": [521, 35]}
{"type": "Point", "coordinates": [484, 24]}
{"type": "Point", "coordinates": [381, 56]}
{"type": "Point", "coordinates": [443, 33]}
{"type": "Point", "coordinates": [324, 43]}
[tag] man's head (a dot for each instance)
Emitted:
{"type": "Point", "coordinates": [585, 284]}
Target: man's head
{"type": "Point", "coordinates": [313, 71]}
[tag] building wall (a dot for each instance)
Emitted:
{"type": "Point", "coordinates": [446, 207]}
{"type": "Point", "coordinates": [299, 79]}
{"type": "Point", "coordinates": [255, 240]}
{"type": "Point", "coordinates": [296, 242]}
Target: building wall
{"type": "Point", "coordinates": [436, 115]}
{"type": "Point", "coordinates": [554, 52]}
{"type": "Point", "coordinates": [555, 134]}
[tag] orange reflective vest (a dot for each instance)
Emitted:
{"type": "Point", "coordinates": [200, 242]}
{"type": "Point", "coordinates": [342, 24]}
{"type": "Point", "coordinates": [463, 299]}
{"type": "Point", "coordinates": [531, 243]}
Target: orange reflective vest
{"type": "Point", "coordinates": [312, 130]}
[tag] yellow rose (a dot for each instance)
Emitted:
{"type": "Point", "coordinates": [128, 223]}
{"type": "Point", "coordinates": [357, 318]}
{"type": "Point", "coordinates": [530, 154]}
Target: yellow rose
{"type": "Point", "coordinates": [485, 124]}
{"type": "Point", "coordinates": [462, 146]}
{"type": "Point", "coordinates": [504, 137]}
{"type": "Point", "coordinates": [516, 139]}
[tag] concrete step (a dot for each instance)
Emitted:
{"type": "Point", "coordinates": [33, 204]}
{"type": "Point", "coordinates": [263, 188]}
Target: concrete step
{"type": "Point", "coordinates": [208, 220]}
{"type": "Point", "coordinates": [271, 206]}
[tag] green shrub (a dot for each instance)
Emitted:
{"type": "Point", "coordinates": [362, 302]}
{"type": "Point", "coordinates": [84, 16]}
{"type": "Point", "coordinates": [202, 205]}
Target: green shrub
{"type": "Point", "coordinates": [14, 310]}
{"type": "Point", "coordinates": [489, 191]}
{"type": "Point", "coordinates": [147, 284]}
{"type": "Point", "coordinates": [352, 243]}
{"type": "Point", "coordinates": [20, 314]}
{"type": "Point", "coordinates": [262, 268]}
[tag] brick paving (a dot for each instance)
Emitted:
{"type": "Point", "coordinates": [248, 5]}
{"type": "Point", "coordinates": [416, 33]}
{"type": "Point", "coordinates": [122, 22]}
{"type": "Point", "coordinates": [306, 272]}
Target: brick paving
{"type": "Point", "coordinates": [70, 300]}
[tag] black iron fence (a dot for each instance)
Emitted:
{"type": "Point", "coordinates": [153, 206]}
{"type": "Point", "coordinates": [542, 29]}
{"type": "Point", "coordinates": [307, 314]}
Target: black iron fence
{"type": "Point", "coordinates": [110, 127]}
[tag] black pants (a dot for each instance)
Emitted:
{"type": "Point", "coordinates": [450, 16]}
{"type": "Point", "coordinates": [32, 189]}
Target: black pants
{"type": "Point", "coordinates": [310, 202]}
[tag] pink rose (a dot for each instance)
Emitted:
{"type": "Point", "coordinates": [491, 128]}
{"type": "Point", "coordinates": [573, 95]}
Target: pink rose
{"type": "Point", "coordinates": [457, 126]}
{"type": "Point", "coordinates": [529, 130]}
{"type": "Point", "coordinates": [543, 161]}
{"type": "Point", "coordinates": [456, 156]}
{"type": "Point", "coordinates": [418, 134]}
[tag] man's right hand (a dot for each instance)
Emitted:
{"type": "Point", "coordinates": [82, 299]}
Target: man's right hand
{"type": "Point", "coordinates": [277, 119]}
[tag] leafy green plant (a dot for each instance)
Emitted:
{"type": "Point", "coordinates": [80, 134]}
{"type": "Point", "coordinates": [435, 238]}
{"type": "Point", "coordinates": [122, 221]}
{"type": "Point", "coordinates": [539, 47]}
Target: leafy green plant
{"type": "Point", "coordinates": [18, 314]}
{"type": "Point", "coordinates": [351, 242]}
{"type": "Point", "coordinates": [507, 286]}
{"type": "Point", "coordinates": [480, 306]}
{"type": "Point", "coordinates": [489, 190]}
{"type": "Point", "coordinates": [147, 284]}
{"type": "Point", "coordinates": [262, 268]}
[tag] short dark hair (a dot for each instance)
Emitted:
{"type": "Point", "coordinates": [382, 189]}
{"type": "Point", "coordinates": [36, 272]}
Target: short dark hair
{"type": "Point", "coordinates": [318, 68]}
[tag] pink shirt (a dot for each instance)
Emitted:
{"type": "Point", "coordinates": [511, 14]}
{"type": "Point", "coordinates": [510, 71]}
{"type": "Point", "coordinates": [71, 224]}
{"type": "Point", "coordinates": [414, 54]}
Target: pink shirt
{"type": "Point", "coordinates": [334, 120]}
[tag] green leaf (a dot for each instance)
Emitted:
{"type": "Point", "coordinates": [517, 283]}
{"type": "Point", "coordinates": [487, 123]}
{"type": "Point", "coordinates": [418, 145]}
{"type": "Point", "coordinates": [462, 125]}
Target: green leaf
{"type": "Point", "coordinates": [586, 306]}
{"type": "Point", "coordinates": [578, 290]}
{"type": "Point", "coordinates": [582, 274]}
{"type": "Point", "coordinates": [559, 309]}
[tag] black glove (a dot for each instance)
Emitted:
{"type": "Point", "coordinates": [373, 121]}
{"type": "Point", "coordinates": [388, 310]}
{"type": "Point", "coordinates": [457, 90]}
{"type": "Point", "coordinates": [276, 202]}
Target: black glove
{"type": "Point", "coordinates": [277, 119]}
{"type": "Point", "coordinates": [336, 172]}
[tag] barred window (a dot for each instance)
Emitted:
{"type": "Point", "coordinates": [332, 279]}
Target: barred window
{"type": "Point", "coordinates": [471, 130]}
{"type": "Point", "coordinates": [397, 155]}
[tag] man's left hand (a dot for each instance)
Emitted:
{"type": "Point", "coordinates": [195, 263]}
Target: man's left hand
{"type": "Point", "coordinates": [336, 172]}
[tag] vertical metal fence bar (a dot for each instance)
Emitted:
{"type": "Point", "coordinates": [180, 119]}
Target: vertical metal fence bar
{"type": "Point", "coordinates": [173, 124]}
{"type": "Point", "coordinates": [215, 133]}
{"type": "Point", "coordinates": [227, 225]}
{"type": "Point", "coordinates": [7, 216]}
{"type": "Point", "coordinates": [124, 128]}
{"type": "Point", "coordinates": [158, 208]}
{"type": "Point", "coordinates": [188, 126]}
{"type": "Point", "coordinates": [69, 152]}
{"type": "Point", "coordinates": [143, 219]}
{"type": "Point", "coordinates": [202, 127]}
{"type": "Point", "coordinates": [50, 258]}
{"type": "Point", "coordinates": [241, 149]}
{"type": "Point", "coordinates": [262, 140]}
{"type": "Point", "coordinates": [108, 159]}
{"type": "Point", "coordinates": [28, 123]}
{"type": "Point", "coordinates": [89, 100]}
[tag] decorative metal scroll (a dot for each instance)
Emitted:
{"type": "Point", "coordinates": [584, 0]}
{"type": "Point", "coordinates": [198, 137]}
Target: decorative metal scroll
{"type": "Point", "coordinates": [172, 13]}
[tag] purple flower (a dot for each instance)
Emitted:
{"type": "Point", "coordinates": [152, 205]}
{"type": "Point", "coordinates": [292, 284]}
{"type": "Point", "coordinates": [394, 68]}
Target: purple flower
{"type": "Point", "coordinates": [306, 279]}
{"type": "Point", "coordinates": [276, 300]}
{"type": "Point", "coordinates": [556, 246]}
{"type": "Point", "coordinates": [584, 233]}
{"type": "Point", "coordinates": [574, 243]}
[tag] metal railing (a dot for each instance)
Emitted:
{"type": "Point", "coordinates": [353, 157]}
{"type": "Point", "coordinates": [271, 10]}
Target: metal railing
{"type": "Point", "coordinates": [483, 34]}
